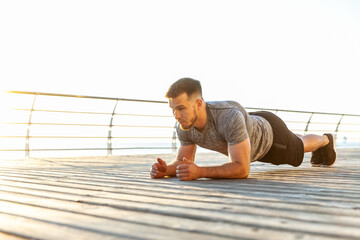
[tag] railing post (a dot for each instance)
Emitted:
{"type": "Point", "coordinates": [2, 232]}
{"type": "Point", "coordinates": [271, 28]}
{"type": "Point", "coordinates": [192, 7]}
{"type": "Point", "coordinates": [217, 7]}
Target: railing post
{"type": "Point", "coordinates": [308, 123]}
{"type": "Point", "coordinates": [27, 140]}
{"type": "Point", "coordinates": [109, 141]}
{"type": "Point", "coordinates": [337, 126]}
{"type": "Point", "coordinates": [173, 142]}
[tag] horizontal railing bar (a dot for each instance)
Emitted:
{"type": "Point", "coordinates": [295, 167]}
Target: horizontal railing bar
{"type": "Point", "coordinates": [95, 113]}
{"type": "Point", "coordinates": [93, 137]}
{"type": "Point", "coordinates": [12, 150]}
{"type": "Point", "coordinates": [84, 96]}
{"type": "Point", "coordinates": [90, 149]}
{"type": "Point", "coordinates": [144, 115]}
{"type": "Point", "coordinates": [106, 125]}
{"type": "Point", "coordinates": [88, 125]}
{"type": "Point", "coordinates": [168, 116]}
{"type": "Point", "coordinates": [325, 123]}
{"type": "Point", "coordinates": [84, 149]}
{"type": "Point", "coordinates": [87, 149]}
{"type": "Point", "coordinates": [326, 130]}
{"type": "Point", "coordinates": [61, 124]}
{"type": "Point", "coordinates": [306, 112]}
{"type": "Point", "coordinates": [59, 111]}
{"type": "Point", "coordinates": [85, 137]}
{"type": "Point", "coordinates": [136, 126]}
{"type": "Point", "coordinates": [152, 101]}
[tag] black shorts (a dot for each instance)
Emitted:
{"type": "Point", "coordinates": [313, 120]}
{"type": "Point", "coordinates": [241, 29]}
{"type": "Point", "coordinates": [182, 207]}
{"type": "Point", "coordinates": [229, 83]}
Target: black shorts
{"type": "Point", "coordinates": [287, 148]}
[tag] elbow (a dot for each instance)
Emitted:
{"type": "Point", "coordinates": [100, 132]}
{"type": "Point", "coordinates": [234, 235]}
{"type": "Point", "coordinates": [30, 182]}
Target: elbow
{"type": "Point", "coordinates": [242, 171]}
{"type": "Point", "coordinates": [245, 174]}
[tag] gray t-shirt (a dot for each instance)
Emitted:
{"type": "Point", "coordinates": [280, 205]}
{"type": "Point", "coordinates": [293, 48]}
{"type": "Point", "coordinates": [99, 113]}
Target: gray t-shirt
{"type": "Point", "coordinates": [227, 124]}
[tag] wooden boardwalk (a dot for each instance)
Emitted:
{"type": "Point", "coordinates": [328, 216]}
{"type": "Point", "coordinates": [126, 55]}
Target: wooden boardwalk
{"type": "Point", "coordinates": [114, 198]}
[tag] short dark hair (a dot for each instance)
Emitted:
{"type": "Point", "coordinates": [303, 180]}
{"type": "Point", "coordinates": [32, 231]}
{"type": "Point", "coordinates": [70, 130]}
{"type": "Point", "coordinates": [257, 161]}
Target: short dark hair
{"type": "Point", "coordinates": [184, 85]}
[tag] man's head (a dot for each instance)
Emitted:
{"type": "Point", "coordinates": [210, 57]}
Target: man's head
{"type": "Point", "coordinates": [185, 99]}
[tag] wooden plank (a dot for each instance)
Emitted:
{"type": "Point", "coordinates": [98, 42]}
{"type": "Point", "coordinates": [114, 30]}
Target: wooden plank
{"type": "Point", "coordinates": [177, 207]}
{"type": "Point", "coordinates": [60, 221]}
{"type": "Point", "coordinates": [216, 229]}
{"type": "Point", "coordinates": [277, 202]}
{"type": "Point", "coordinates": [289, 191]}
{"type": "Point", "coordinates": [10, 236]}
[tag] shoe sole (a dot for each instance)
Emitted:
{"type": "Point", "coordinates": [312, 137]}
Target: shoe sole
{"type": "Point", "coordinates": [334, 147]}
{"type": "Point", "coordinates": [315, 165]}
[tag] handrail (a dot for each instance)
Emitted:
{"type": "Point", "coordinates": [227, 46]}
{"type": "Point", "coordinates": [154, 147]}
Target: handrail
{"type": "Point", "coordinates": [84, 96]}
{"type": "Point", "coordinates": [297, 111]}
{"type": "Point", "coordinates": [155, 101]}
{"type": "Point", "coordinates": [338, 125]}
{"type": "Point", "coordinates": [99, 113]}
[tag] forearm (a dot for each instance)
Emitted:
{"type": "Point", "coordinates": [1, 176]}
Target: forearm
{"type": "Point", "coordinates": [187, 152]}
{"type": "Point", "coordinates": [171, 168]}
{"type": "Point", "coordinates": [228, 170]}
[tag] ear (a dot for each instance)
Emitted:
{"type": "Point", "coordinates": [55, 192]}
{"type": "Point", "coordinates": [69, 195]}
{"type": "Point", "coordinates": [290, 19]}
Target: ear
{"type": "Point", "coordinates": [199, 102]}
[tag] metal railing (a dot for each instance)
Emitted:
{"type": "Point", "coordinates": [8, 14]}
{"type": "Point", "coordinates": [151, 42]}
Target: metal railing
{"type": "Point", "coordinates": [108, 134]}
{"type": "Point", "coordinates": [346, 127]}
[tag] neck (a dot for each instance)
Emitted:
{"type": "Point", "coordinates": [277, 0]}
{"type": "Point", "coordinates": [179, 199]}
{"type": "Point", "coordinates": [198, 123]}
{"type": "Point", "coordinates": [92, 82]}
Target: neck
{"type": "Point", "coordinates": [200, 123]}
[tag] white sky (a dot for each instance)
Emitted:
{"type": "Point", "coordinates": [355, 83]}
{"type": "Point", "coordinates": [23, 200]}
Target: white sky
{"type": "Point", "coordinates": [300, 55]}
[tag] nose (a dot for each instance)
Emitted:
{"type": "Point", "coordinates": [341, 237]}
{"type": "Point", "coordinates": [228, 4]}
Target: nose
{"type": "Point", "coordinates": [176, 114]}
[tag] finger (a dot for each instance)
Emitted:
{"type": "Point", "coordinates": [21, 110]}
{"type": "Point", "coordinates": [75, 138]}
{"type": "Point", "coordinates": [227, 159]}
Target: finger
{"type": "Point", "coordinates": [182, 173]}
{"type": "Point", "coordinates": [154, 175]}
{"type": "Point", "coordinates": [185, 179]}
{"type": "Point", "coordinates": [182, 167]}
{"type": "Point", "coordinates": [162, 162]}
{"type": "Point", "coordinates": [184, 170]}
{"type": "Point", "coordinates": [157, 166]}
{"type": "Point", "coordinates": [154, 172]}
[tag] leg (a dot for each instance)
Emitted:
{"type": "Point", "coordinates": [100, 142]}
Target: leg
{"type": "Point", "coordinates": [322, 148]}
{"type": "Point", "coordinates": [313, 142]}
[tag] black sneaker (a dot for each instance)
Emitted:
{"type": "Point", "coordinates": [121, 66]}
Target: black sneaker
{"type": "Point", "coordinates": [328, 152]}
{"type": "Point", "coordinates": [316, 158]}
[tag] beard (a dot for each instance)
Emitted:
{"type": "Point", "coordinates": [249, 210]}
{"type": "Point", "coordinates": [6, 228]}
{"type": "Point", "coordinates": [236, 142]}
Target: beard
{"type": "Point", "coordinates": [188, 126]}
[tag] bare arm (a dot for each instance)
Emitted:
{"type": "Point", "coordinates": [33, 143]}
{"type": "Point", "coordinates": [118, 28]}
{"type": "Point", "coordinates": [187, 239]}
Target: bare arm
{"type": "Point", "coordinates": [184, 151]}
{"type": "Point", "coordinates": [238, 167]}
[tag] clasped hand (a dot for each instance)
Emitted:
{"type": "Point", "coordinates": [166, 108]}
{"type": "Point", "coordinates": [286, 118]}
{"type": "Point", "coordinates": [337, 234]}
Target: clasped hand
{"type": "Point", "coordinates": [185, 171]}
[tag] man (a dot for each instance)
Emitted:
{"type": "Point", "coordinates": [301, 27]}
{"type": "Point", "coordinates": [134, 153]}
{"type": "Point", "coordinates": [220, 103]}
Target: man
{"type": "Point", "coordinates": [227, 128]}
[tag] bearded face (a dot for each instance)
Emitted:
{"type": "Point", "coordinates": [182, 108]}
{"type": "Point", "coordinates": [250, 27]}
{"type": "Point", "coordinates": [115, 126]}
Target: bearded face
{"type": "Point", "coordinates": [184, 111]}
{"type": "Point", "coordinates": [188, 121]}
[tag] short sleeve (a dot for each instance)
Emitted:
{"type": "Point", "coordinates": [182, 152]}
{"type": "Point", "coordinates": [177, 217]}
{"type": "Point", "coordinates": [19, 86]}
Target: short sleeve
{"type": "Point", "coordinates": [232, 127]}
{"type": "Point", "coordinates": [184, 136]}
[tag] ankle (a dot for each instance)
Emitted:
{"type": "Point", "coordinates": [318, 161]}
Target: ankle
{"type": "Point", "coordinates": [326, 140]}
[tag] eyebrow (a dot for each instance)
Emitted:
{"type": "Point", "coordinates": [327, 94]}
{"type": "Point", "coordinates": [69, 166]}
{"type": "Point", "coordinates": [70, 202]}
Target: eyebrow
{"type": "Point", "coordinates": [177, 107]}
